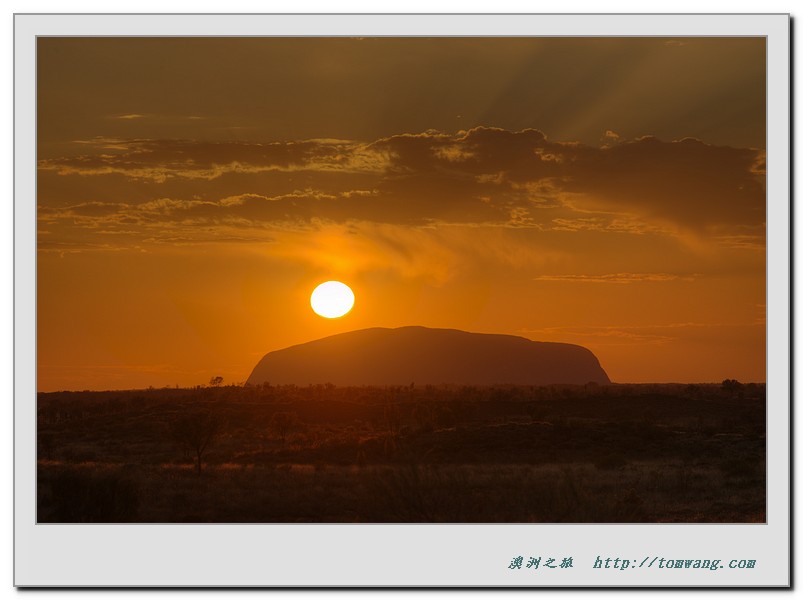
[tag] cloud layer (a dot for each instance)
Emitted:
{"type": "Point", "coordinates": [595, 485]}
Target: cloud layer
{"type": "Point", "coordinates": [481, 177]}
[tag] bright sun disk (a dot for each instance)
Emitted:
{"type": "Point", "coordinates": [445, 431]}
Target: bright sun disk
{"type": "Point", "coordinates": [332, 299]}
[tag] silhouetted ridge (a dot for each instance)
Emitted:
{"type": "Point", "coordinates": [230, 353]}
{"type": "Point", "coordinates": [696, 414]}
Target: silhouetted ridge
{"type": "Point", "coordinates": [381, 356]}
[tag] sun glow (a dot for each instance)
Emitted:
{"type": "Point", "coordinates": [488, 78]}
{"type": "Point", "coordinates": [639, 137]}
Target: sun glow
{"type": "Point", "coordinates": [332, 299]}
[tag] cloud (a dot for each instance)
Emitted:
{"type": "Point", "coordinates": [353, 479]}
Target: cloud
{"type": "Point", "coordinates": [610, 137]}
{"type": "Point", "coordinates": [137, 116]}
{"type": "Point", "coordinates": [743, 242]}
{"type": "Point", "coordinates": [480, 177]}
{"type": "Point", "coordinates": [271, 225]}
{"type": "Point", "coordinates": [607, 223]}
{"type": "Point", "coordinates": [621, 278]}
{"type": "Point", "coordinates": [161, 160]}
{"type": "Point", "coordinates": [478, 151]}
{"type": "Point", "coordinates": [685, 182]}
{"type": "Point", "coordinates": [632, 335]}
{"type": "Point", "coordinates": [604, 336]}
{"type": "Point", "coordinates": [435, 255]}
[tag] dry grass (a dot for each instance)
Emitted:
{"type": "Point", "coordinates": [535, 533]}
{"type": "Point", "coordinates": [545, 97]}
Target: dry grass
{"type": "Point", "coordinates": [512, 456]}
{"type": "Point", "coordinates": [413, 493]}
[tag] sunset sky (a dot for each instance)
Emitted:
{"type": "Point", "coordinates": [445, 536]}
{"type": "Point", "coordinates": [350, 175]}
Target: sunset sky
{"type": "Point", "coordinates": [599, 191]}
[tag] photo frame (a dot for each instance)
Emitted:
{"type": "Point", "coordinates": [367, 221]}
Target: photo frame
{"type": "Point", "coordinates": [410, 554]}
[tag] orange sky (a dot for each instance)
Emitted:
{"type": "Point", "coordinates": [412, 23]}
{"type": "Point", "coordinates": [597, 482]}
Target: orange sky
{"type": "Point", "coordinates": [603, 192]}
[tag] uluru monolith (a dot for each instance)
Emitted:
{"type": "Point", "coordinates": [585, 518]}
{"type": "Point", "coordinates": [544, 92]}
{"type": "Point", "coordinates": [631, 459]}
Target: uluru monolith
{"type": "Point", "coordinates": [422, 355]}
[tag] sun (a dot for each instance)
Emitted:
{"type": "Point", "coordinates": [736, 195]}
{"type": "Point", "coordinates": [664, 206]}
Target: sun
{"type": "Point", "coordinates": [332, 299]}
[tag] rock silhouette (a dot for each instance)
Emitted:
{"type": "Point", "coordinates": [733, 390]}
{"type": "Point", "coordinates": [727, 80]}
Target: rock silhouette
{"type": "Point", "coordinates": [421, 355]}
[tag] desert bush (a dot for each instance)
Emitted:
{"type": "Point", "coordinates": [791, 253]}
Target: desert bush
{"type": "Point", "coordinates": [413, 493]}
{"type": "Point", "coordinates": [283, 423]}
{"type": "Point", "coordinates": [195, 433]}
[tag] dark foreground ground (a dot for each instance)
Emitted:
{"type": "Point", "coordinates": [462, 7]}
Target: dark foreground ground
{"type": "Point", "coordinates": [656, 453]}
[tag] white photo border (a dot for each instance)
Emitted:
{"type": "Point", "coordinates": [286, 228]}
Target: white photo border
{"type": "Point", "coordinates": [398, 555]}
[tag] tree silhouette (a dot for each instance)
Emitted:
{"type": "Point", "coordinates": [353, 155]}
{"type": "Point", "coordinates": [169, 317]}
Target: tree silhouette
{"type": "Point", "coordinates": [196, 433]}
{"type": "Point", "coordinates": [731, 385]}
{"type": "Point", "coordinates": [283, 422]}
{"type": "Point", "coordinates": [216, 381]}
